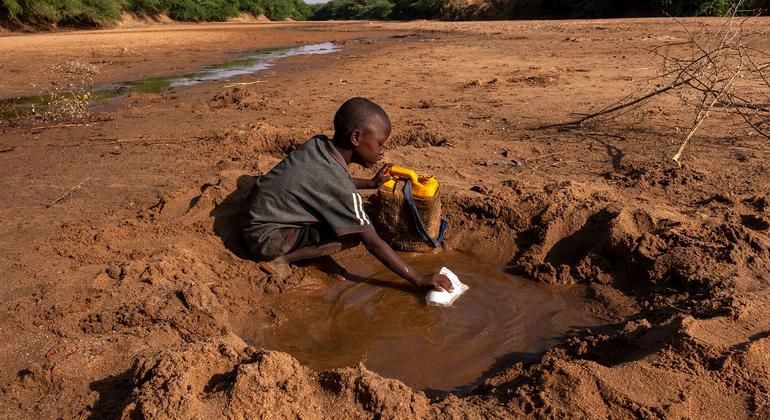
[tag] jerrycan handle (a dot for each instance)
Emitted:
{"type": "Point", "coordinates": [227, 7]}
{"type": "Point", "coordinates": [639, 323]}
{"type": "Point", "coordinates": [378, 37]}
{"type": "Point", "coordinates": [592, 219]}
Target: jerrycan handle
{"type": "Point", "coordinates": [401, 172]}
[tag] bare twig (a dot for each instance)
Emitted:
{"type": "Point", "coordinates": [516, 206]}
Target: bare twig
{"type": "Point", "coordinates": [69, 192]}
{"type": "Point", "coordinates": [615, 108]}
{"type": "Point", "coordinates": [243, 83]}
{"type": "Point", "coordinates": [702, 115]}
{"type": "Point", "coordinates": [45, 127]}
{"type": "Point", "coordinates": [705, 79]}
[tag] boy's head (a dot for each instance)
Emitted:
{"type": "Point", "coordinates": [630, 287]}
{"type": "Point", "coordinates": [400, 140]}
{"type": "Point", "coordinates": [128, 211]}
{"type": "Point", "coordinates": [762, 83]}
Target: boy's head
{"type": "Point", "coordinates": [362, 126]}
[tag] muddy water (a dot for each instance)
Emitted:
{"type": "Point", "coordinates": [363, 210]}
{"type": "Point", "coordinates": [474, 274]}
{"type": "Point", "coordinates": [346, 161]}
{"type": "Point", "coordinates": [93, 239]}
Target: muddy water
{"type": "Point", "coordinates": [382, 321]}
{"type": "Point", "coordinates": [247, 63]}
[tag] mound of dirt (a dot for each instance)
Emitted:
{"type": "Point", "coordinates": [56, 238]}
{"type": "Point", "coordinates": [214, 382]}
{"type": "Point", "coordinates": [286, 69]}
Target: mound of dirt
{"type": "Point", "coordinates": [227, 377]}
{"type": "Point", "coordinates": [686, 373]}
{"type": "Point", "coordinates": [537, 78]}
{"type": "Point", "coordinates": [239, 97]}
{"type": "Point", "coordinates": [260, 143]}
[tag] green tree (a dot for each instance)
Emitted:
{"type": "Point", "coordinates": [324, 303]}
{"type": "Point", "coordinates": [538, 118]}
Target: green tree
{"type": "Point", "coordinates": [417, 9]}
{"type": "Point", "coordinates": [10, 9]}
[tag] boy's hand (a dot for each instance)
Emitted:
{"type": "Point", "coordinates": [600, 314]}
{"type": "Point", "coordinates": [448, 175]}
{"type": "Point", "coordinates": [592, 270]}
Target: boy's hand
{"type": "Point", "coordinates": [380, 177]}
{"type": "Point", "coordinates": [385, 254]}
{"type": "Point", "coordinates": [437, 281]}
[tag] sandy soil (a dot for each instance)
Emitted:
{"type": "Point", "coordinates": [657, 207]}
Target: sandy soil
{"type": "Point", "coordinates": [121, 297]}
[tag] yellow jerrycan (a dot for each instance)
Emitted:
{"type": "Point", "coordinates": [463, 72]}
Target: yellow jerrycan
{"type": "Point", "coordinates": [410, 211]}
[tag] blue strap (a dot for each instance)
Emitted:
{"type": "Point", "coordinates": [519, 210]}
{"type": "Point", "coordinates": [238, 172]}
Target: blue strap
{"type": "Point", "coordinates": [418, 221]}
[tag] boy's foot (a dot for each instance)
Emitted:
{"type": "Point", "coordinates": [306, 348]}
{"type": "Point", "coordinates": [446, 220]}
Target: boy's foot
{"type": "Point", "coordinates": [278, 269]}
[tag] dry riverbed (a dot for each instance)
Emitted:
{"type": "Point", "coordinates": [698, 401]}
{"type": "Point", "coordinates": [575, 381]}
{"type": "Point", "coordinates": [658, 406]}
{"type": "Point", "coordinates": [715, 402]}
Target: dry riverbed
{"type": "Point", "coordinates": [126, 291]}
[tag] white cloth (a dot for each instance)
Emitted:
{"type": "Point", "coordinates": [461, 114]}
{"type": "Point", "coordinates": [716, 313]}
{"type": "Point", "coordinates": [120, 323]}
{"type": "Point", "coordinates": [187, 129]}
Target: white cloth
{"type": "Point", "coordinates": [442, 297]}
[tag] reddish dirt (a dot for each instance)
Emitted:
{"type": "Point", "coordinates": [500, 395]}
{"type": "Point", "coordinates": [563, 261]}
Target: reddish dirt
{"type": "Point", "coordinates": [123, 275]}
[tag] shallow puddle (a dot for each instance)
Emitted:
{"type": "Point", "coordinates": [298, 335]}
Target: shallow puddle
{"type": "Point", "coordinates": [385, 323]}
{"type": "Point", "coordinates": [246, 63]}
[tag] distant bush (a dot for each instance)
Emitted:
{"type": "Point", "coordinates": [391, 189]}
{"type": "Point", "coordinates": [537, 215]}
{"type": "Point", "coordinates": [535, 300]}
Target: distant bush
{"type": "Point", "coordinates": [65, 12]}
{"type": "Point", "coordinates": [353, 9]}
{"type": "Point", "coordinates": [695, 7]}
{"type": "Point", "coordinates": [282, 9]}
{"type": "Point", "coordinates": [416, 9]}
{"type": "Point", "coordinates": [147, 7]}
{"type": "Point", "coordinates": [612, 8]}
{"type": "Point", "coordinates": [203, 10]}
{"type": "Point", "coordinates": [426, 9]}
{"type": "Point", "coordinates": [218, 10]}
{"type": "Point", "coordinates": [92, 13]}
{"type": "Point", "coordinates": [378, 9]}
{"type": "Point", "coordinates": [590, 8]}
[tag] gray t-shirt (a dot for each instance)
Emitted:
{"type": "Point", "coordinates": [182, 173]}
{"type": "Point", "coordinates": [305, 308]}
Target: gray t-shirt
{"type": "Point", "coordinates": [311, 185]}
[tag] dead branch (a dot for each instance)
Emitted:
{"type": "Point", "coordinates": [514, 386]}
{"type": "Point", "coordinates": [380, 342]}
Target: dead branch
{"type": "Point", "coordinates": [580, 121]}
{"type": "Point", "coordinates": [69, 192]}
{"type": "Point", "coordinates": [46, 127]}
{"type": "Point", "coordinates": [705, 79]}
{"type": "Point", "coordinates": [243, 83]}
{"type": "Point", "coordinates": [702, 115]}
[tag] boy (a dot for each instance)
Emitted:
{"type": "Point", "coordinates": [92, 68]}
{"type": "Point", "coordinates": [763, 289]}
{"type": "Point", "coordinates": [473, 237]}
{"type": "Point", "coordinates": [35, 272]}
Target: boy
{"type": "Point", "coordinates": [308, 205]}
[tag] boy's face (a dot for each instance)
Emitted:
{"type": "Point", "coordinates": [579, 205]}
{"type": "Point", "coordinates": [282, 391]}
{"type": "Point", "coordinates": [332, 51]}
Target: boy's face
{"type": "Point", "coordinates": [368, 143]}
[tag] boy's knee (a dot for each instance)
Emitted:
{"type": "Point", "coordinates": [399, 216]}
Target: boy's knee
{"type": "Point", "coordinates": [265, 247]}
{"type": "Point", "coordinates": [350, 241]}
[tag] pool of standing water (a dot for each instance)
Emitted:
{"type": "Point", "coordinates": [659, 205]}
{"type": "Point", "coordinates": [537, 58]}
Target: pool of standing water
{"type": "Point", "coordinates": [384, 322]}
{"type": "Point", "coordinates": [246, 63]}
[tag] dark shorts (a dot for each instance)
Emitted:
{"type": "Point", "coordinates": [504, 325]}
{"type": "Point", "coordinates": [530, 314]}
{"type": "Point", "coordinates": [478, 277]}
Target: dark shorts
{"type": "Point", "coordinates": [266, 246]}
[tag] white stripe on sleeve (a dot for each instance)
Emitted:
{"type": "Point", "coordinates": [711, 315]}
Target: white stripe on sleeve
{"type": "Point", "coordinates": [356, 197]}
{"type": "Point", "coordinates": [361, 206]}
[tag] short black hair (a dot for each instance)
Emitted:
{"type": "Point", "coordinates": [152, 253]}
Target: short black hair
{"type": "Point", "coordinates": [354, 114]}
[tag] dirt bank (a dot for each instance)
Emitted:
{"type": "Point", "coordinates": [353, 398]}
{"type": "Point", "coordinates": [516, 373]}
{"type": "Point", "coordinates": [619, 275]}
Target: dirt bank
{"type": "Point", "coordinates": [124, 278]}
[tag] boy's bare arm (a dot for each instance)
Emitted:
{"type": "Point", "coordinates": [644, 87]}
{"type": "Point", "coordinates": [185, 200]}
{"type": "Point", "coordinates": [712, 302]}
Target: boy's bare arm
{"type": "Point", "coordinates": [364, 184]}
{"type": "Point", "coordinates": [380, 249]}
{"type": "Point", "coordinates": [375, 182]}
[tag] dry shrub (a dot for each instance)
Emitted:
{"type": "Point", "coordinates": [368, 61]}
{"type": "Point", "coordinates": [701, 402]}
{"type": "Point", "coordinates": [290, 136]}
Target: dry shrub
{"type": "Point", "coordinates": [77, 68]}
{"type": "Point", "coordinates": [66, 106]}
{"type": "Point", "coordinates": [70, 95]}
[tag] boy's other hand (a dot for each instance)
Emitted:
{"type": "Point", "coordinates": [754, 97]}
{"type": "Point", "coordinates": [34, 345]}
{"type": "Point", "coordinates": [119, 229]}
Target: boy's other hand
{"type": "Point", "coordinates": [437, 281]}
{"type": "Point", "coordinates": [380, 177]}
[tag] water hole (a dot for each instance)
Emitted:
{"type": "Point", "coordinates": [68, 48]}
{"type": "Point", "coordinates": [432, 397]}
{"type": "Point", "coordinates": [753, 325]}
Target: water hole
{"type": "Point", "coordinates": [247, 63]}
{"type": "Point", "coordinates": [382, 321]}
